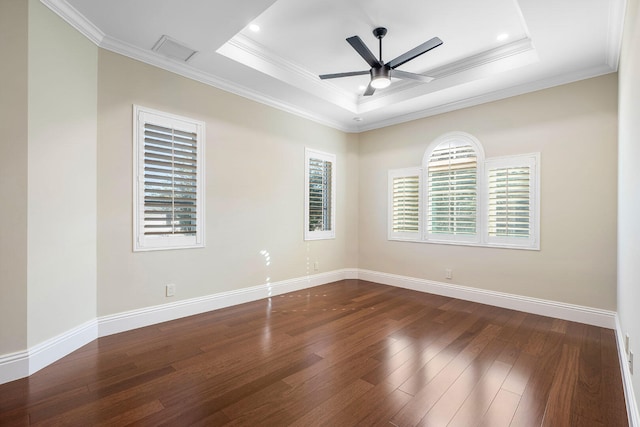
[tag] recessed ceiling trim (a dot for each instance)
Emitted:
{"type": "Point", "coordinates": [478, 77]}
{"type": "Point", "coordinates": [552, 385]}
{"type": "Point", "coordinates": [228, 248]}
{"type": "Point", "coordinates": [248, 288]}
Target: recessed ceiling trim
{"type": "Point", "coordinates": [252, 54]}
{"type": "Point", "coordinates": [496, 95]}
{"type": "Point", "coordinates": [610, 60]}
{"type": "Point", "coordinates": [499, 53]}
{"type": "Point", "coordinates": [74, 18]}
{"type": "Point", "coordinates": [499, 59]}
{"type": "Point", "coordinates": [246, 51]}
{"type": "Point", "coordinates": [185, 70]}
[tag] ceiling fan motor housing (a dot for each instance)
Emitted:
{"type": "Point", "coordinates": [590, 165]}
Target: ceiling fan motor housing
{"type": "Point", "coordinates": [380, 72]}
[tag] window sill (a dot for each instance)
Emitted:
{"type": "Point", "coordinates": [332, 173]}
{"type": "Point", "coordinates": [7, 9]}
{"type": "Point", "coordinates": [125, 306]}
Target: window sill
{"type": "Point", "coordinates": [473, 244]}
{"type": "Point", "coordinates": [311, 238]}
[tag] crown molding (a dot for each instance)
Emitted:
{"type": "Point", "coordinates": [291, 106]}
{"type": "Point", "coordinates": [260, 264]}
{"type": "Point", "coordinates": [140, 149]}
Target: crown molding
{"type": "Point", "coordinates": [248, 52]}
{"type": "Point", "coordinates": [78, 21]}
{"type": "Point", "coordinates": [617, 10]}
{"type": "Point", "coordinates": [490, 56]}
{"type": "Point", "coordinates": [185, 70]}
{"type": "Point", "coordinates": [481, 65]}
{"type": "Point", "coordinates": [492, 96]}
{"type": "Point", "coordinates": [252, 54]}
{"type": "Point", "coordinates": [355, 104]}
{"type": "Point", "coordinates": [74, 18]}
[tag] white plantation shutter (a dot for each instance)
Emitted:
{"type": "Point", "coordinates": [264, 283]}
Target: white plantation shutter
{"type": "Point", "coordinates": [511, 202]}
{"type": "Point", "coordinates": [170, 181]}
{"type": "Point", "coordinates": [169, 204]}
{"type": "Point", "coordinates": [452, 189]}
{"type": "Point", "coordinates": [319, 195]}
{"type": "Point", "coordinates": [404, 203]}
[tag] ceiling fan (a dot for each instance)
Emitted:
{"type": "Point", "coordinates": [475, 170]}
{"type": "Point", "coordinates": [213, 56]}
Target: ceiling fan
{"type": "Point", "coordinates": [380, 72]}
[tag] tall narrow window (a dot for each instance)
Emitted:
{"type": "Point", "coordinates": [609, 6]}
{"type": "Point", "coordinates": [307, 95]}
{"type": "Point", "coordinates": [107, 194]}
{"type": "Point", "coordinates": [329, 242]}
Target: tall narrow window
{"type": "Point", "coordinates": [320, 176]}
{"type": "Point", "coordinates": [168, 201]}
{"type": "Point", "coordinates": [452, 188]}
{"type": "Point", "coordinates": [404, 204]}
{"type": "Point", "coordinates": [511, 202]}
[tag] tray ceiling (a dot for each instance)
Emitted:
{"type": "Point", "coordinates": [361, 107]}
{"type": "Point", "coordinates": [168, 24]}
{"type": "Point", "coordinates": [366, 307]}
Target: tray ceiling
{"type": "Point", "coordinates": [492, 49]}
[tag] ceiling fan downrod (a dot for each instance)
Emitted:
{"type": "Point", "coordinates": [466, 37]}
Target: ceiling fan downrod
{"type": "Point", "coordinates": [380, 32]}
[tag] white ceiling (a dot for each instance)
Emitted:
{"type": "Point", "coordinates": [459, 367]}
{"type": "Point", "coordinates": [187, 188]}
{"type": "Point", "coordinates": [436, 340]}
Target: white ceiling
{"type": "Point", "coordinates": [549, 42]}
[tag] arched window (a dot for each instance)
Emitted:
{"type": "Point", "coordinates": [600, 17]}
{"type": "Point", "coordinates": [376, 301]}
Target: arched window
{"type": "Point", "coordinates": [459, 197]}
{"type": "Point", "coordinates": [453, 172]}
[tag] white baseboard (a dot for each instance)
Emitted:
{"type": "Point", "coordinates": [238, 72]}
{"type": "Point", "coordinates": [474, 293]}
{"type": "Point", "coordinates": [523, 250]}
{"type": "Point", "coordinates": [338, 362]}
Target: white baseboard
{"type": "Point", "coordinates": [575, 313]}
{"type": "Point", "coordinates": [632, 406]}
{"type": "Point", "coordinates": [121, 322]}
{"type": "Point", "coordinates": [125, 321]}
{"type": "Point", "coordinates": [22, 364]}
{"type": "Point", "coordinates": [14, 366]}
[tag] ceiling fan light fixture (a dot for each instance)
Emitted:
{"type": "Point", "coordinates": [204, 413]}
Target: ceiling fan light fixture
{"type": "Point", "coordinates": [381, 82]}
{"type": "Point", "coordinates": [380, 78]}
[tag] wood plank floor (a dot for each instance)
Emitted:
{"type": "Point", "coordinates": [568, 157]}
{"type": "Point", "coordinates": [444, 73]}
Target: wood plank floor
{"type": "Point", "coordinates": [344, 354]}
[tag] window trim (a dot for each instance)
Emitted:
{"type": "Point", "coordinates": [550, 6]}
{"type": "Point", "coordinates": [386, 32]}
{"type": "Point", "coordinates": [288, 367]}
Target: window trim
{"type": "Point", "coordinates": [310, 153]}
{"type": "Point", "coordinates": [141, 116]}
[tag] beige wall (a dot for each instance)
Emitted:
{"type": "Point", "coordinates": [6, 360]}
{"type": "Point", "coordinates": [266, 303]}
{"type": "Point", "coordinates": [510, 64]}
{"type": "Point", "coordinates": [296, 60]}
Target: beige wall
{"type": "Point", "coordinates": [254, 192]}
{"type": "Point", "coordinates": [62, 99]}
{"type": "Point", "coordinates": [13, 176]}
{"type": "Point", "coordinates": [629, 186]}
{"type": "Point", "coordinates": [79, 264]}
{"type": "Point", "coordinates": [574, 129]}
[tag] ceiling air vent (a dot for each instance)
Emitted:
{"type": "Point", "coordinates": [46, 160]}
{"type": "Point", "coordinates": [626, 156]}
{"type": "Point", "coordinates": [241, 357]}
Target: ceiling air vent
{"type": "Point", "coordinates": [173, 49]}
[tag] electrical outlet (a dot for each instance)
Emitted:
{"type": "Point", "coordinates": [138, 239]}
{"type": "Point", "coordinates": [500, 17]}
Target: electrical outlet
{"type": "Point", "coordinates": [448, 273]}
{"type": "Point", "coordinates": [631, 362]}
{"type": "Point", "coordinates": [170, 290]}
{"type": "Point", "coordinates": [626, 343]}
{"type": "Point", "coordinates": [316, 266]}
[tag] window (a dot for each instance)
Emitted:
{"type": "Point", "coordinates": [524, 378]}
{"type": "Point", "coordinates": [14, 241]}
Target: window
{"type": "Point", "coordinates": [453, 163]}
{"type": "Point", "coordinates": [404, 204]}
{"type": "Point", "coordinates": [169, 175]}
{"type": "Point", "coordinates": [452, 200]}
{"type": "Point", "coordinates": [320, 177]}
{"type": "Point", "coordinates": [452, 173]}
{"type": "Point", "coordinates": [511, 200]}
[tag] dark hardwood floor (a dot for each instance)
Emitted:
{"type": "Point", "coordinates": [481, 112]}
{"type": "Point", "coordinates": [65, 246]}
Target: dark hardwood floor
{"type": "Point", "coordinates": [344, 354]}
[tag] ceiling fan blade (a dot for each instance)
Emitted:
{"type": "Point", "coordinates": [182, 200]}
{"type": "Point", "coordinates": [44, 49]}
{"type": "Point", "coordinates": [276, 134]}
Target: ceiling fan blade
{"type": "Point", "coordinates": [415, 52]}
{"type": "Point", "coordinates": [357, 43]}
{"type": "Point", "coordinates": [338, 75]}
{"type": "Point", "coordinates": [369, 91]}
{"type": "Point", "coordinates": [411, 76]}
